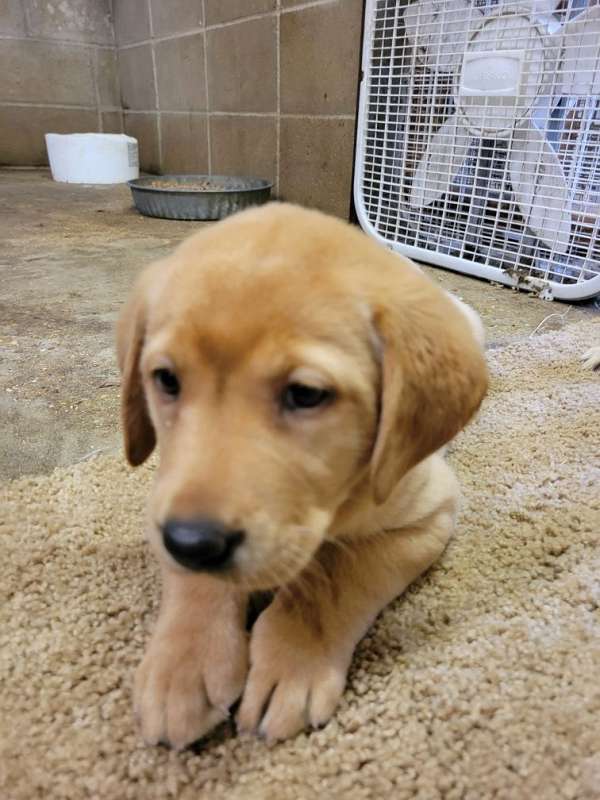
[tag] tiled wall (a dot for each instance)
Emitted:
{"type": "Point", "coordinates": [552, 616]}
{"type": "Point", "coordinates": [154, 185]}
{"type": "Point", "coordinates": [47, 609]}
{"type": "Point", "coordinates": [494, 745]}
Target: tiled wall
{"type": "Point", "coordinates": [58, 72]}
{"type": "Point", "coordinates": [254, 87]}
{"type": "Point", "coordinates": [260, 87]}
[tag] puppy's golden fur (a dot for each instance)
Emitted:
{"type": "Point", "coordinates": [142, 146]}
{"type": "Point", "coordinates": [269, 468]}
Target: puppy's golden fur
{"type": "Point", "coordinates": [591, 358]}
{"type": "Point", "coordinates": [343, 505]}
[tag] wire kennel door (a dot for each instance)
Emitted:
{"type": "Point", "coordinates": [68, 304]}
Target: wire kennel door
{"type": "Point", "coordinates": [478, 143]}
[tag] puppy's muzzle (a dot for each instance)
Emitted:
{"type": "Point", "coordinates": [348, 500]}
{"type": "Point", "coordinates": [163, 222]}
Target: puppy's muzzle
{"type": "Point", "coordinates": [201, 544]}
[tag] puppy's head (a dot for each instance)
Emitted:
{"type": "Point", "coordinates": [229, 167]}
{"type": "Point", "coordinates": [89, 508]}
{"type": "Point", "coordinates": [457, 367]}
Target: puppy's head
{"type": "Point", "coordinates": [283, 361]}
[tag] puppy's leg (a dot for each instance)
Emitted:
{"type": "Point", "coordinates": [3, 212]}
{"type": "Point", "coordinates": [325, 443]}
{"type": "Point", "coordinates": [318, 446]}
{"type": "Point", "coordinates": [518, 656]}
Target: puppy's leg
{"type": "Point", "coordinates": [302, 644]}
{"type": "Point", "coordinates": [196, 663]}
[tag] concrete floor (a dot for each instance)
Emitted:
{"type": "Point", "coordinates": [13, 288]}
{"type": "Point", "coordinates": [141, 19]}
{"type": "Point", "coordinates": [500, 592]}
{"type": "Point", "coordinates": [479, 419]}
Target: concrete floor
{"type": "Point", "coordinates": [68, 257]}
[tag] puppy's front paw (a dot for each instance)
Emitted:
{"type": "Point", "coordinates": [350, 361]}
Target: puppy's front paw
{"type": "Point", "coordinates": [296, 676]}
{"type": "Point", "coordinates": [186, 684]}
{"type": "Point", "coordinates": [591, 358]}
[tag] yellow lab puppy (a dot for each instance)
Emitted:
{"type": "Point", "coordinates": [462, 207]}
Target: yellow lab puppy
{"type": "Point", "coordinates": [299, 380]}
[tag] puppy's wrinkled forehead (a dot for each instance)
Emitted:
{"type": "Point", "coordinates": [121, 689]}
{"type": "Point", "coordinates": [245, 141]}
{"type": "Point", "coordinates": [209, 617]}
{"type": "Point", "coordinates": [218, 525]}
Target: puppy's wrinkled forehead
{"type": "Point", "coordinates": [226, 308]}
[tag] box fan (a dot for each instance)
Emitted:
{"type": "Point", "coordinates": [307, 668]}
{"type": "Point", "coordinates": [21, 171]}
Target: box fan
{"type": "Point", "coordinates": [478, 144]}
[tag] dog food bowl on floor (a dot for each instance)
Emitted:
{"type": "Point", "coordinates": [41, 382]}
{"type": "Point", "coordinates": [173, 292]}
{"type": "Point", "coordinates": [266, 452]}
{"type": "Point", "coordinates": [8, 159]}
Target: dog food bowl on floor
{"type": "Point", "coordinates": [197, 197]}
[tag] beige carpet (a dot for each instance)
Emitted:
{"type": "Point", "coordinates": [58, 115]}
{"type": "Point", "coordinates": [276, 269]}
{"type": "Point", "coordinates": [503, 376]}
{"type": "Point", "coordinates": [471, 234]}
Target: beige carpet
{"type": "Point", "coordinates": [483, 682]}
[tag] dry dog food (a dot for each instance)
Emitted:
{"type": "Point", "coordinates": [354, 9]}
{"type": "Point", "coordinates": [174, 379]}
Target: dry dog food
{"type": "Point", "coordinates": [196, 186]}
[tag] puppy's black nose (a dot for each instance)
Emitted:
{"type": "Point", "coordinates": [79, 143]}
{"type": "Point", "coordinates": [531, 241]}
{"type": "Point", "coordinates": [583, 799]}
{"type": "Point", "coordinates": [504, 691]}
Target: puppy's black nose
{"type": "Point", "coordinates": [200, 544]}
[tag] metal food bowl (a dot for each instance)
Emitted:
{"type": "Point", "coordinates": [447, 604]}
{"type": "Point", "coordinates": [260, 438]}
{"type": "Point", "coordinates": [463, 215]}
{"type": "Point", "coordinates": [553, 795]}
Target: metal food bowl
{"type": "Point", "coordinates": [199, 197]}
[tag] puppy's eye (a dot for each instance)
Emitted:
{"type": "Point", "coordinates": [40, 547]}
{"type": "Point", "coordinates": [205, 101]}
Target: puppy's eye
{"type": "Point", "coordinates": [166, 381]}
{"type": "Point", "coordinates": [297, 396]}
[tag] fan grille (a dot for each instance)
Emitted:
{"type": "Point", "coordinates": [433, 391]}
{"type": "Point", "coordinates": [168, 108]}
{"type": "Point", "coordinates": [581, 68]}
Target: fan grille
{"type": "Point", "coordinates": [477, 219]}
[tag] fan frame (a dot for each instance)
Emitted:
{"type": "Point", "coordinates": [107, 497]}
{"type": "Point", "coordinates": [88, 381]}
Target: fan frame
{"type": "Point", "coordinates": [546, 288]}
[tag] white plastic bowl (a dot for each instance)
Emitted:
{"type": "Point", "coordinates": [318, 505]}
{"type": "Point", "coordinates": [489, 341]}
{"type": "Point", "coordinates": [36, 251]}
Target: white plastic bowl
{"type": "Point", "coordinates": [92, 157]}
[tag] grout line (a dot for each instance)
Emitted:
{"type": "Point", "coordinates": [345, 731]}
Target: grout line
{"type": "Point", "coordinates": [115, 49]}
{"type": "Point", "coordinates": [26, 12]}
{"type": "Point", "coordinates": [167, 38]}
{"type": "Point", "coordinates": [65, 106]}
{"type": "Point", "coordinates": [317, 116]}
{"type": "Point", "coordinates": [118, 73]}
{"type": "Point", "coordinates": [208, 126]}
{"type": "Point", "coordinates": [97, 88]}
{"type": "Point", "coordinates": [166, 112]}
{"type": "Point", "coordinates": [237, 113]}
{"type": "Point", "coordinates": [46, 40]}
{"type": "Point", "coordinates": [155, 80]}
{"type": "Point", "coordinates": [307, 4]}
{"type": "Point", "coordinates": [111, 11]}
{"type": "Point", "coordinates": [263, 114]}
{"type": "Point", "coordinates": [278, 78]}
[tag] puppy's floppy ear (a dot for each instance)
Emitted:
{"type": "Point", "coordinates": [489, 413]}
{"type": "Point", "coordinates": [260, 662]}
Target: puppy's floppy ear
{"type": "Point", "coordinates": [433, 379]}
{"type": "Point", "coordinates": [138, 432]}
